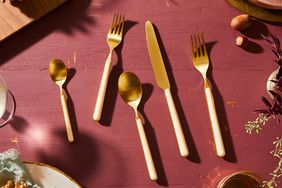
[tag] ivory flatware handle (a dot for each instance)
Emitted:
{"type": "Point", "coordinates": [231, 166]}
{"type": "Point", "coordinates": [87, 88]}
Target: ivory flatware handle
{"type": "Point", "coordinates": [102, 89]}
{"type": "Point", "coordinates": [214, 121]}
{"type": "Point", "coordinates": [176, 124]}
{"type": "Point", "coordinates": [147, 153]}
{"type": "Point", "coordinates": [66, 117]}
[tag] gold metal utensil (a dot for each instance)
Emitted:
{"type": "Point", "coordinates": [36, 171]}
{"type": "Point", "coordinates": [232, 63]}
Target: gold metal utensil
{"type": "Point", "coordinates": [58, 73]}
{"type": "Point", "coordinates": [130, 89]}
{"type": "Point", "coordinates": [114, 39]}
{"type": "Point", "coordinates": [201, 63]}
{"type": "Point", "coordinates": [163, 82]}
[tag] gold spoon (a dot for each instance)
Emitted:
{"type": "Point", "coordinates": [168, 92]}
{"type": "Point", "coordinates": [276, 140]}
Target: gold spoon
{"type": "Point", "coordinates": [58, 73]}
{"type": "Point", "coordinates": [130, 90]}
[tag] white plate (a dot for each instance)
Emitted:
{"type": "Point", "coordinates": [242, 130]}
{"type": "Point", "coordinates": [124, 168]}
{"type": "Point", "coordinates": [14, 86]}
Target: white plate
{"type": "Point", "coordinates": [49, 177]}
{"type": "Point", "coordinates": [3, 96]}
{"type": "Point", "coordinates": [269, 4]}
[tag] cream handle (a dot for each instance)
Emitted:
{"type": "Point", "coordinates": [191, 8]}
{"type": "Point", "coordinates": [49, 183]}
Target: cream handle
{"type": "Point", "coordinates": [148, 157]}
{"type": "Point", "coordinates": [176, 124]}
{"type": "Point", "coordinates": [102, 89]}
{"type": "Point", "coordinates": [214, 121]}
{"type": "Point", "coordinates": [66, 117]}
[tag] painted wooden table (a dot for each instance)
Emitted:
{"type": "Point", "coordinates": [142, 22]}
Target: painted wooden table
{"type": "Point", "coordinates": [109, 153]}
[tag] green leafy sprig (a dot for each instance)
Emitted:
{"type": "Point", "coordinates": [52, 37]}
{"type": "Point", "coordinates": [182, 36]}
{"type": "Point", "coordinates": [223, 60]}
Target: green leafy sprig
{"type": "Point", "coordinates": [256, 125]}
{"type": "Point", "coordinates": [277, 172]}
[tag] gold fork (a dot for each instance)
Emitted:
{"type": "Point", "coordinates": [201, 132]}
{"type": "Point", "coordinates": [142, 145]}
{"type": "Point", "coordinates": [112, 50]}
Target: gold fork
{"type": "Point", "coordinates": [201, 63]}
{"type": "Point", "coordinates": [114, 39]}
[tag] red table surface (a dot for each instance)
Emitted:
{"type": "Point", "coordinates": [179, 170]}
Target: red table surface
{"type": "Point", "coordinates": [109, 154]}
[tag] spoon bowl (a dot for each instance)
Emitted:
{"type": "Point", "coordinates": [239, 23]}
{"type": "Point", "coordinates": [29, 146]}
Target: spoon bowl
{"type": "Point", "coordinates": [130, 90]}
{"type": "Point", "coordinates": [58, 73]}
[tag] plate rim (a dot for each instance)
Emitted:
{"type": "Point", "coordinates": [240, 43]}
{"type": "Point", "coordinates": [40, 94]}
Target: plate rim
{"type": "Point", "coordinates": [266, 4]}
{"type": "Point", "coordinates": [54, 168]}
{"type": "Point", "coordinates": [252, 9]}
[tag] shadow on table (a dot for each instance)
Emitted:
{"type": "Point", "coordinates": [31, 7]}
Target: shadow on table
{"type": "Point", "coordinates": [19, 124]}
{"type": "Point", "coordinates": [27, 6]}
{"type": "Point", "coordinates": [193, 153]}
{"type": "Point", "coordinates": [256, 30]}
{"type": "Point", "coordinates": [253, 47]}
{"type": "Point", "coordinates": [221, 112]}
{"type": "Point", "coordinates": [151, 136]}
{"type": "Point", "coordinates": [82, 159]}
{"type": "Point", "coordinates": [33, 8]}
{"type": "Point", "coordinates": [78, 159]}
{"type": "Point", "coordinates": [112, 87]}
{"type": "Point", "coordinates": [69, 18]}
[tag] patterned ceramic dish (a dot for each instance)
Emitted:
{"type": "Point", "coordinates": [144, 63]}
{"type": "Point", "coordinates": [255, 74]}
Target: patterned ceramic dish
{"type": "Point", "coordinates": [49, 176]}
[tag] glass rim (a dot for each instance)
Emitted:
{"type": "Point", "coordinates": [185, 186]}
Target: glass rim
{"type": "Point", "coordinates": [9, 110]}
{"type": "Point", "coordinates": [249, 174]}
{"type": "Point", "coordinates": [4, 92]}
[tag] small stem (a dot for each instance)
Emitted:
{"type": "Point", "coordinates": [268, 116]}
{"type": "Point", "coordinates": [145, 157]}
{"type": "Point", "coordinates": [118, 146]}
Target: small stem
{"type": "Point", "coordinates": [257, 124]}
{"type": "Point", "coordinates": [277, 172]}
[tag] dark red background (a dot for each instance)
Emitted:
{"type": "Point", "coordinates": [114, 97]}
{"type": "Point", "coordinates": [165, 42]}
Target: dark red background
{"type": "Point", "coordinates": [110, 154]}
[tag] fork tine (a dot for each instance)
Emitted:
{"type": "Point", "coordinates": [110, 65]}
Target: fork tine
{"type": "Point", "coordinates": [198, 51]}
{"type": "Point", "coordinates": [117, 24]}
{"type": "Point", "coordinates": [204, 45]}
{"type": "Point", "coordinates": [121, 20]}
{"type": "Point", "coordinates": [193, 45]}
{"type": "Point", "coordinates": [113, 23]}
{"type": "Point", "coordinates": [121, 25]}
{"type": "Point", "coordinates": [198, 45]}
{"type": "Point", "coordinates": [201, 50]}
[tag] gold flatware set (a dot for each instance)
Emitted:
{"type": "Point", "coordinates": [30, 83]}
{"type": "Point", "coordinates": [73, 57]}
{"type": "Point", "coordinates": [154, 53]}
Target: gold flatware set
{"type": "Point", "coordinates": [130, 88]}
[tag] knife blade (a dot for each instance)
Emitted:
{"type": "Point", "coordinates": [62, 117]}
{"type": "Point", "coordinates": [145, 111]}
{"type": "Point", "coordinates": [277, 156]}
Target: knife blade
{"type": "Point", "coordinates": [163, 82]}
{"type": "Point", "coordinates": [156, 57]}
